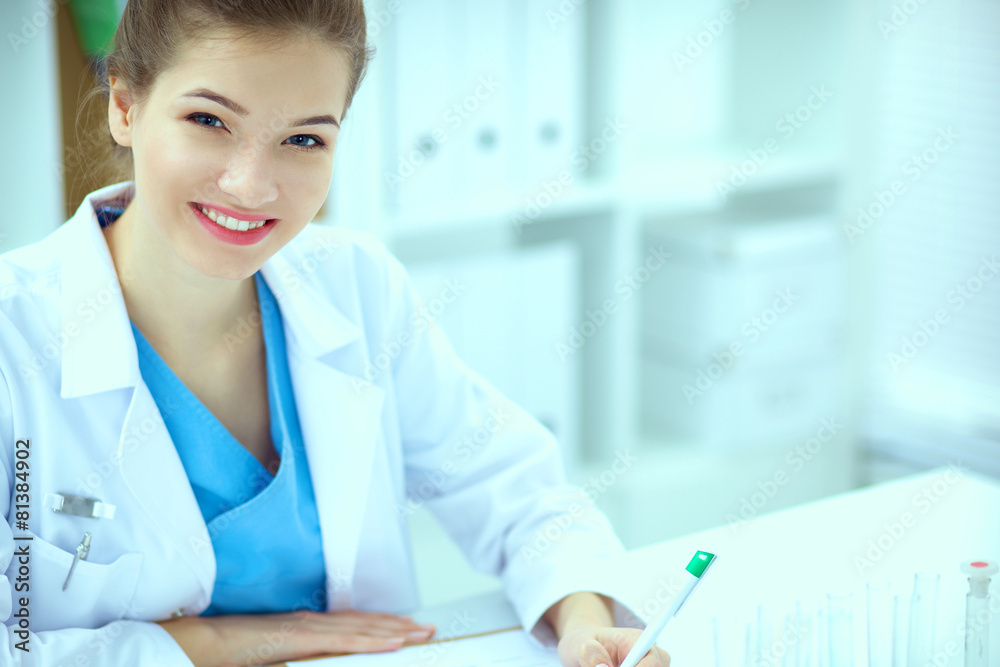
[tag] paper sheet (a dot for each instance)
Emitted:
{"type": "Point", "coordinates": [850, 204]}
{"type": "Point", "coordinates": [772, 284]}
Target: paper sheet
{"type": "Point", "coordinates": [510, 648]}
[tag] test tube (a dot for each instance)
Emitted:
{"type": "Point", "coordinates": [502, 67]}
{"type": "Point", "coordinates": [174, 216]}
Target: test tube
{"type": "Point", "coordinates": [923, 616]}
{"type": "Point", "coordinates": [794, 632]}
{"type": "Point", "coordinates": [900, 629]}
{"type": "Point", "coordinates": [977, 612]}
{"type": "Point", "coordinates": [840, 616]}
{"type": "Point", "coordinates": [786, 649]}
{"type": "Point", "coordinates": [880, 608]}
{"type": "Point", "coordinates": [762, 639]}
{"type": "Point", "coordinates": [802, 654]}
{"type": "Point", "coordinates": [822, 638]}
{"type": "Point", "coordinates": [730, 640]}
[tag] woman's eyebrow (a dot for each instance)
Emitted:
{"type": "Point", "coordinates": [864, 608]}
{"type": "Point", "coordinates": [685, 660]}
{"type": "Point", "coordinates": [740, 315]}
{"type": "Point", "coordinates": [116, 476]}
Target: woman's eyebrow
{"type": "Point", "coordinates": [242, 111]}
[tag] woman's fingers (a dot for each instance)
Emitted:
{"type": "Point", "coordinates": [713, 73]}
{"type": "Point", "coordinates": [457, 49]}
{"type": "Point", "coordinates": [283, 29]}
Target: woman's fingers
{"type": "Point", "coordinates": [361, 632]}
{"type": "Point", "coordinates": [376, 623]}
{"type": "Point", "coordinates": [409, 634]}
{"type": "Point", "coordinates": [656, 657]}
{"type": "Point", "coordinates": [348, 643]}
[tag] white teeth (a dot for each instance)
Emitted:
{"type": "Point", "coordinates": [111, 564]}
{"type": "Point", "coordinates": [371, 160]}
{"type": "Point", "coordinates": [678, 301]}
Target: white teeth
{"type": "Point", "coordinates": [230, 223]}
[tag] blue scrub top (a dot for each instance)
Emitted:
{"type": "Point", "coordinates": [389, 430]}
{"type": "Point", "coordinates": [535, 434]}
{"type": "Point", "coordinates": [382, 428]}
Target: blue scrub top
{"type": "Point", "coordinates": [264, 528]}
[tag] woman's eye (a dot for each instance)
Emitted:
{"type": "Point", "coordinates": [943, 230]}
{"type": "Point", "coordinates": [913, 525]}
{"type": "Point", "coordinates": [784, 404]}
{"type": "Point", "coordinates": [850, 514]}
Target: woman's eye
{"type": "Point", "coordinates": [194, 116]}
{"type": "Point", "coordinates": [316, 141]}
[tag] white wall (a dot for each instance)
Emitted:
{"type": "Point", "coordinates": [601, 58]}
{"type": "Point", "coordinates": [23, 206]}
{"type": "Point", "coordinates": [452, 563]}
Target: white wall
{"type": "Point", "coordinates": [31, 178]}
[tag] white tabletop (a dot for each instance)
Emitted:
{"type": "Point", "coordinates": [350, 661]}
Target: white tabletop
{"type": "Point", "coordinates": [884, 533]}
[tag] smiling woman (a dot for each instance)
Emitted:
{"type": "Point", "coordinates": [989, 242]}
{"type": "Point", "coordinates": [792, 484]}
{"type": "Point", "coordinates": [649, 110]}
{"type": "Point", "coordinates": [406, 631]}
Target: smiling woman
{"type": "Point", "coordinates": [227, 473]}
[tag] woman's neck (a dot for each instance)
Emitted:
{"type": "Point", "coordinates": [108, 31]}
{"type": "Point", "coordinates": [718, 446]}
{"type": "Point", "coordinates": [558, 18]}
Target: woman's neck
{"type": "Point", "coordinates": [188, 317]}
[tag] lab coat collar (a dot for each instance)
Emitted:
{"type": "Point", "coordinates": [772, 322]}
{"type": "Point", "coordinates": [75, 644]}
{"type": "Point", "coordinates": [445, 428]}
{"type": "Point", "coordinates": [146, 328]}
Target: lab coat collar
{"type": "Point", "coordinates": [98, 349]}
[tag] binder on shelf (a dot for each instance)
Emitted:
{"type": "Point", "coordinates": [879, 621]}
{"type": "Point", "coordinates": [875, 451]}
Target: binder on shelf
{"type": "Point", "coordinates": [420, 165]}
{"type": "Point", "coordinates": [550, 105]}
{"type": "Point", "coordinates": [480, 113]}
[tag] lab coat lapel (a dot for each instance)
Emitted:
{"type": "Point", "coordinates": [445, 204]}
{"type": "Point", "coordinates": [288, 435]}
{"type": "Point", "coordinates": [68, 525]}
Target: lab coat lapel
{"type": "Point", "coordinates": [154, 473]}
{"type": "Point", "coordinates": [99, 352]}
{"type": "Point", "coordinates": [340, 426]}
{"type": "Point", "coordinates": [339, 412]}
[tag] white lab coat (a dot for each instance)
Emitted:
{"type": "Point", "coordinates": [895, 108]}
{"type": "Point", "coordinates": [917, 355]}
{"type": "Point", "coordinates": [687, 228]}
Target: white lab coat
{"type": "Point", "coordinates": [382, 439]}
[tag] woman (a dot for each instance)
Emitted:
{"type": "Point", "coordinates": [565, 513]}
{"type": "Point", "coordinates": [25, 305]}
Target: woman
{"type": "Point", "coordinates": [205, 465]}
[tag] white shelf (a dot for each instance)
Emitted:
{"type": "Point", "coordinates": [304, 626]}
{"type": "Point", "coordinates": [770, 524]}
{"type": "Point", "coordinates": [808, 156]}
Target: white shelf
{"type": "Point", "coordinates": [681, 186]}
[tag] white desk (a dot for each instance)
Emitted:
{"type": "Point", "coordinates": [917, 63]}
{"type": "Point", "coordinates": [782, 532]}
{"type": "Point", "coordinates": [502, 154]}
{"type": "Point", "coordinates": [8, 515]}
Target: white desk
{"type": "Point", "coordinates": [801, 554]}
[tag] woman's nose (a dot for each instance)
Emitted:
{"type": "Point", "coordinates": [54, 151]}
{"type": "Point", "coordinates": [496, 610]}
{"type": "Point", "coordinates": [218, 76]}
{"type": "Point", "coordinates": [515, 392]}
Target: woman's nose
{"type": "Point", "coordinates": [250, 177]}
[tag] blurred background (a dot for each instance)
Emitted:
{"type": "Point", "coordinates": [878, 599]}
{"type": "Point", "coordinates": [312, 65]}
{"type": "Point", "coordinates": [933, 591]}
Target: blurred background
{"type": "Point", "coordinates": [738, 255]}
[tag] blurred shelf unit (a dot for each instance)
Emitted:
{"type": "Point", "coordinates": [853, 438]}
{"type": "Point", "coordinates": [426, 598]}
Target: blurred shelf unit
{"type": "Point", "coordinates": [745, 321]}
{"type": "Point", "coordinates": [495, 128]}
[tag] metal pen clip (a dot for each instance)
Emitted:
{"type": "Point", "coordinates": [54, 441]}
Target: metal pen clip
{"type": "Point", "coordinates": [81, 554]}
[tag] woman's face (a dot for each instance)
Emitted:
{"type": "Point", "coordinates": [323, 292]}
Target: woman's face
{"type": "Point", "coordinates": [240, 127]}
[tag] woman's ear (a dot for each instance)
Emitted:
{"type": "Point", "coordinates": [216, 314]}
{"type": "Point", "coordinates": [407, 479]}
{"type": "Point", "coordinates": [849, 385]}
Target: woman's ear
{"type": "Point", "coordinates": [121, 113]}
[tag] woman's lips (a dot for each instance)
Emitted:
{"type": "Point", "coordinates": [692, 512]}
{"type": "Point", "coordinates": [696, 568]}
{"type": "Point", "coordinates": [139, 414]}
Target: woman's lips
{"type": "Point", "coordinates": [239, 222]}
{"type": "Point", "coordinates": [249, 217]}
{"type": "Point", "coordinates": [232, 236]}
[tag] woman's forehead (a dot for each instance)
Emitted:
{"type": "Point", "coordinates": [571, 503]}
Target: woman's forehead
{"type": "Point", "coordinates": [233, 46]}
{"type": "Point", "coordinates": [291, 70]}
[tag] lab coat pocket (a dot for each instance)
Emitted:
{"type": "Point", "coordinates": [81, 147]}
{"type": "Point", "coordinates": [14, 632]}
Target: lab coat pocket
{"type": "Point", "coordinates": [97, 593]}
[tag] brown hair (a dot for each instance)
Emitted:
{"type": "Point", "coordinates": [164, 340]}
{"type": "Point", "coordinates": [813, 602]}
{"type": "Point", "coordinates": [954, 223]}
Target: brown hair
{"type": "Point", "coordinates": [152, 33]}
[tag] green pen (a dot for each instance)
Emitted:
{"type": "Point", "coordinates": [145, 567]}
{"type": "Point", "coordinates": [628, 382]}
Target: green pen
{"type": "Point", "coordinates": [696, 570]}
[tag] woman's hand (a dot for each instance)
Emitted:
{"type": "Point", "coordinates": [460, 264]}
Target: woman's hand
{"type": "Point", "coordinates": [261, 639]}
{"type": "Point", "coordinates": [594, 646]}
{"type": "Point", "coordinates": [584, 624]}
